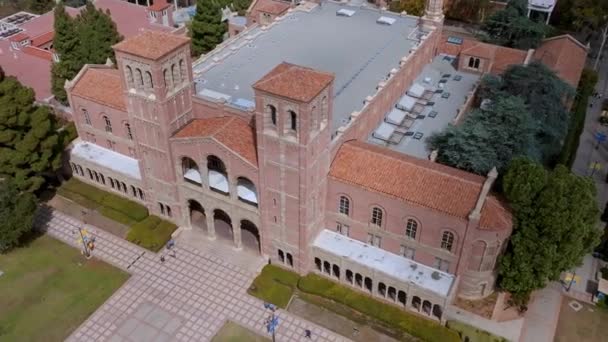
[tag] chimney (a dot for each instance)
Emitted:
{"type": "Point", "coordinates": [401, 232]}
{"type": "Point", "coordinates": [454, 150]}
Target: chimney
{"type": "Point", "coordinates": [529, 56]}
{"type": "Point", "coordinates": [485, 189]}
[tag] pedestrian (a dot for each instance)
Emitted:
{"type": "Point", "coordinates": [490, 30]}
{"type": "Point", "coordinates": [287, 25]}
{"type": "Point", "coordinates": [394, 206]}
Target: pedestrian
{"type": "Point", "coordinates": [162, 258]}
{"type": "Point", "coordinates": [170, 244]}
{"type": "Point", "coordinates": [308, 334]}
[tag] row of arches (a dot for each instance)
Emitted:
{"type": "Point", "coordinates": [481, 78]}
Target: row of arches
{"type": "Point", "coordinates": [389, 293]}
{"type": "Point", "coordinates": [113, 183]}
{"type": "Point", "coordinates": [174, 75]}
{"type": "Point", "coordinates": [218, 180]}
{"type": "Point", "coordinates": [411, 229]}
{"type": "Point", "coordinates": [219, 224]}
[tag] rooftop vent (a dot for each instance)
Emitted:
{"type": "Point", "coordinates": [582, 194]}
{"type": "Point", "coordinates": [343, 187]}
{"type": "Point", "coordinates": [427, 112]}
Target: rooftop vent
{"type": "Point", "coordinates": [345, 12]}
{"type": "Point", "coordinates": [386, 21]}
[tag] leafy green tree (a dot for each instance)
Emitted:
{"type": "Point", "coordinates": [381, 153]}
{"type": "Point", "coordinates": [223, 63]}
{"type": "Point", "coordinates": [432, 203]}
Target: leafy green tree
{"type": "Point", "coordinates": [545, 94]}
{"type": "Point", "coordinates": [512, 28]}
{"type": "Point", "coordinates": [30, 145]}
{"type": "Point", "coordinates": [555, 226]}
{"type": "Point", "coordinates": [85, 39]}
{"type": "Point", "coordinates": [580, 15]}
{"type": "Point", "coordinates": [41, 6]}
{"type": "Point", "coordinates": [488, 137]}
{"type": "Point", "coordinates": [17, 210]}
{"type": "Point", "coordinates": [206, 29]}
{"type": "Point", "coordinates": [413, 7]}
{"type": "Point", "coordinates": [468, 10]}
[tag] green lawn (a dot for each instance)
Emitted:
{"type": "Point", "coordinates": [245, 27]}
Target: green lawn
{"type": "Point", "coordinates": [48, 289]}
{"type": "Point", "coordinates": [232, 332]}
{"type": "Point", "coordinates": [586, 325]}
{"type": "Point", "coordinates": [274, 285]}
{"type": "Point", "coordinates": [473, 334]}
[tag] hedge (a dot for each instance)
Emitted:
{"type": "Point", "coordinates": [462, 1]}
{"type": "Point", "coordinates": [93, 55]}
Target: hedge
{"type": "Point", "coordinates": [389, 314]}
{"type": "Point", "coordinates": [152, 233]}
{"type": "Point", "coordinates": [274, 285]}
{"type": "Point", "coordinates": [113, 206]}
{"type": "Point", "coordinates": [470, 333]}
{"type": "Point", "coordinates": [585, 89]}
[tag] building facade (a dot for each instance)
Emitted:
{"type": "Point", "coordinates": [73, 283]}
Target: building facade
{"type": "Point", "coordinates": [286, 174]}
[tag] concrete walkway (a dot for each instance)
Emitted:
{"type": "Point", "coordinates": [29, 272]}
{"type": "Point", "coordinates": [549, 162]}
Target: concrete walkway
{"type": "Point", "coordinates": [510, 330]}
{"type": "Point", "coordinates": [187, 298]}
{"type": "Point", "coordinates": [540, 321]}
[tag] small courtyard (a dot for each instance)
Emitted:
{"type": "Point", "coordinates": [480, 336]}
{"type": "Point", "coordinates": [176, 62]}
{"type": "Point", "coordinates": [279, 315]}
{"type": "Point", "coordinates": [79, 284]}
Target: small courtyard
{"type": "Point", "coordinates": [48, 289]}
{"type": "Point", "coordinates": [585, 325]}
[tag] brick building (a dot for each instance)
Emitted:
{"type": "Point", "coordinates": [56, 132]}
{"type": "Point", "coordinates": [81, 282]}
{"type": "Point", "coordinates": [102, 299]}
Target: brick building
{"type": "Point", "coordinates": [302, 141]}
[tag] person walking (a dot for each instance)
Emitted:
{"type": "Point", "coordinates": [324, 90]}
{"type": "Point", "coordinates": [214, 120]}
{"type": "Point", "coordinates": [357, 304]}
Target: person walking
{"type": "Point", "coordinates": [308, 334]}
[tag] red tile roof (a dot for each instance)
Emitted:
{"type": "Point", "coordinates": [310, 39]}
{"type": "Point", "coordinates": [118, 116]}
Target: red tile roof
{"type": "Point", "coordinates": [38, 52]}
{"type": "Point", "coordinates": [482, 50]}
{"type": "Point", "coordinates": [565, 55]}
{"type": "Point", "coordinates": [271, 6]}
{"type": "Point", "coordinates": [43, 38]}
{"type": "Point", "coordinates": [506, 57]}
{"type": "Point", "coordinates": [19, 37]}
{"type": "Point", "coordinates": [101, 85]}
{"type": "Point", "coordinates": [294, 82]}
{"type": "Point", "coordinates": [159, 5]}
{"type": "Point", "coordinates": [232, 132]}
{"type": "Point", "coordinates": [417, 181]}
{"type": "Point", "coordinates": [151, 44]}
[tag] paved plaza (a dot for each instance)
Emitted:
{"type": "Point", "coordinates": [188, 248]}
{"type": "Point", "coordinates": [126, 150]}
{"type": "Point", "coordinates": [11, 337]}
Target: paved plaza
{"type": "Point", "coordinates": [187, 298]}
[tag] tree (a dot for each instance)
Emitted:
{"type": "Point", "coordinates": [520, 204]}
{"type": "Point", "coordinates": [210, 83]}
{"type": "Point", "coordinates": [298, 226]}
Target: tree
{"type": "Point", "coordinates": [86, 39]}
{"type": "Point", "coordinates": [207, 29]}
{"type": "Point", "coordinates": [468, 10]}
{"type": "Point", "coordinates": [16, 214]}
{"type": "Point", "coordinates": [555, 216]}
{"type": "Point", "coordinates": [40, 6]}
{"type": "Point", "coordinates": [30, 145]}
{"type": "Point", "coordinates": [545, 95]}
{"type": "Point", "coordinates": [412, 7]}
{"type": "Point", "coordinates": [488, 137]}
{"type": "Point", "coordinates": [511, 27]}
{"type": "Point", "coordinates": [580, 15]}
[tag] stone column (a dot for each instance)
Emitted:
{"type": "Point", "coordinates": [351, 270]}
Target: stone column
{"type": "Point", "coordinates": [210, 225]}
{"type": "Point", "coordinates": [232, 189]}
{"type": "Point", "coordinates": [236, 234]}
{"type": "Point", "coordinates": [204, 175]}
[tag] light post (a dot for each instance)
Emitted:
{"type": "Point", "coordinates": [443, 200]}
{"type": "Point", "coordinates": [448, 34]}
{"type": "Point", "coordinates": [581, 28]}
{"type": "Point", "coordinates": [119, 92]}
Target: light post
{"type": "Point", "coordinates": [599, 54]}
{"type": "Point", "coordinates": [87, 253]}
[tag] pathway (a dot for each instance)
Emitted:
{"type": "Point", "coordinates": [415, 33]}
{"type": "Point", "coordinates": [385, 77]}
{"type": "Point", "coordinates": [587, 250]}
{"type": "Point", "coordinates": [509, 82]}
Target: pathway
{"type": "Point", "coordinates": [187, 298]}
{"type": "Point", "coordinates": [540, 321]}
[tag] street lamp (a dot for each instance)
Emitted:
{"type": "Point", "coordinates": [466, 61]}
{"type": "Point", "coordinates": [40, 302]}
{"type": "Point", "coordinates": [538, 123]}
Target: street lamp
{"type": "Point", "coordinates": [272, 322]}
{"type": "Point", "coordinates": [87, 253]}
{"type": "Point", "coordinates": [599, 54]}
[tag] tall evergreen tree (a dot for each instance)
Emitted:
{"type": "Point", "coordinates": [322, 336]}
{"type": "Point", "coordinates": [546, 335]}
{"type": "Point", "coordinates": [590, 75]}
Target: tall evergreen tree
{"type": "Point", "coordinates": [86, 39]}
{"type": "Point", "coordinates": [207, 29]}
{"type": "Point", "coordinates": [16, 214]}
{"type": "Point", "coordinates": [30, 145]}
{"type": "Point", "coordinates": [40, 6]}
{"type": "Point", "coordinates": [555, 226]}
{"type": "Point", "coordinates": [487, 138]}
{"type": "Point", "coordinates": [511, 27]}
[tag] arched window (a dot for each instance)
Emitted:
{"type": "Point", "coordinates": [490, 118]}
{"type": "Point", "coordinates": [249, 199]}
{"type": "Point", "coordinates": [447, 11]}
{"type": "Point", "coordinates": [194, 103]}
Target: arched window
{"type": "Point", "coordinates": [191, 171]}
{"type": "Point", "coordinates": [344, 205]}
{"type": "Point", "coordinates": [272, 110]}
{"type": "Point", "coordinates": [476, 63]}
{"type": "Point", "coordinates": [140, 78]}
{"type": "Point", "coordinates": [166, 77]}
{"type": "Point", "coordinates": [86, 116]}
{"type": "Point", "coordinates": [182, 70]}
{"type": "Point", "coordinates": [447, 241]}
{"type": "Point", "coordinates": [411, 228]}
{"type": "Point", "coordinates": [108, 124]}
{"type": "Point", "coordinates": [174, 74]}
{"type": "Point", "coordinates": [293, 120]}
{"type": "Point", "coordinates": [128, 131]}
{"type": "Point", "coordinates": [376, 218]}
{"type": "Point", "coordinates": [149, 82]}
{"type": "Point", "coordinates": [218, 177]}
{"type": "Point", "coordinates": [246, 191]}
{"type": "Point", "coordinates": [129, 76]}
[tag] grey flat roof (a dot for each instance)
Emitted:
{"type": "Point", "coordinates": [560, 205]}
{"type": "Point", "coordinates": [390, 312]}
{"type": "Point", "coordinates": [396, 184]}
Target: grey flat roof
{"type": "Point", "coordinates": [359, 51]}
{"type": "Point", "coordinates": [446, 108]}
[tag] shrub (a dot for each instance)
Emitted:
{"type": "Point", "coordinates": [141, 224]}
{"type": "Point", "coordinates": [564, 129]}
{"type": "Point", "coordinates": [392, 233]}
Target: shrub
{"type": "Point", "coordinates": [152, 233]}
{"type": "Point", "coordinates": [134, 210]}
{"type": "Point", "coordinates": [388, 314]}
{"type": "Point", "coordinates": [117, 216]}
{"type": "Point", "coordinates": [85, 190]}
{"type": "Point", "coordinates": [274, 285]}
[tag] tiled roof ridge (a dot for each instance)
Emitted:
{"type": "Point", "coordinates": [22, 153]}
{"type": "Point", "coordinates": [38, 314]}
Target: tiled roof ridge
{"type": "Point", "coordinates": [221, 128]}
{"type": "Point", "coordinates": [427, 164]}
{"type": "Point", "coordinates": [566, 36]}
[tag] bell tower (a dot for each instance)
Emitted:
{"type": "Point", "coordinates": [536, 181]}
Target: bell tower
{"type": "Point", "coordinates": [156, 70]}
{"type": "Point", "coordinates": [293, 114]}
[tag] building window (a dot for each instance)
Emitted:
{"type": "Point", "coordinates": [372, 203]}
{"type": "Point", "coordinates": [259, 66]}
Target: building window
{"type": "Point", "coordinates": [128, 131]}
{"type": "Point", "coordinates": [293, 120]}
{"type": "Point", "coordinates": [411, 228]}
{"type": "Point", "coordinates": [441, 264]}
{"type": "Point", "coordinates": [273, 114]}
{"type": "Point", "coordinates": [376, 218]}
{"type": "Point", "coordinates": [85, 115]}
{"type": "Point", "coordinates": [182, 70]}
{"type": "Point", "coordinates": [374, 240]}
{"type": "Point", "coordinates": [140, 78]}
{"type": "Point", "coordinates": [174, 74]}
{"type": "Point", "coordinates": [111, 144]}
{"type": "Point", "coordinates": [342, 229]}
{"type": "Point", "coordinates": [108, 123]}
{"type": "Point", "coordinates": [474, 62]}
{"type": "Point", "coordinates": [407, 252]}
{"type": "Point", "coordinates": [344, 205]}
{"type": "Point", "coordinates": [140, 193]}
{"type": "Point", "coordinates": [447, 241]}
{"type": "Point", "coordinates": [129, 76]}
